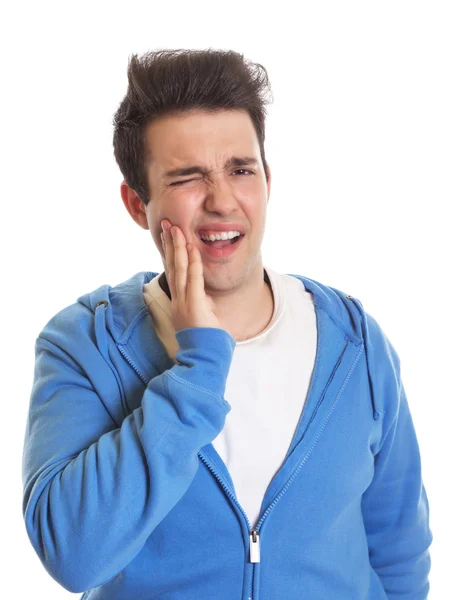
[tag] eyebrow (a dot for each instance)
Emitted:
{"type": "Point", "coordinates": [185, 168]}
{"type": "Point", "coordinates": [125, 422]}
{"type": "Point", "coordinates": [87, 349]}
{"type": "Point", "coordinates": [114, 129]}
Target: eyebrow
{"type": "Point", "coordinates": [235, 161]}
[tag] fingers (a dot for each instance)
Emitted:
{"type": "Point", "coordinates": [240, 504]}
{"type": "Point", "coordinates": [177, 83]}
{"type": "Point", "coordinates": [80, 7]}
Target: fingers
{"type": "Point", "coordinates": [176, 258]}
{"type": "Point", "coordinates": [191, 306]}
{"type": "Point", "coordinates": [168, 255]}
{"type": "Point", "coordinates": [181, 262]}
{"type": "Point", "coordinates": [195, 287]}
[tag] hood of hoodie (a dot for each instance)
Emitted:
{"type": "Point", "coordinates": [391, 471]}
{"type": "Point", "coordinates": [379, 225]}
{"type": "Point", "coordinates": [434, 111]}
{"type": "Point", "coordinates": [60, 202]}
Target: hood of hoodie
{"type": "Point", "coordinates": [120, 308]}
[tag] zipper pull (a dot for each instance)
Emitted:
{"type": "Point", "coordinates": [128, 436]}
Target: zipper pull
{"type": "Point", "coordinates": [254, 546]}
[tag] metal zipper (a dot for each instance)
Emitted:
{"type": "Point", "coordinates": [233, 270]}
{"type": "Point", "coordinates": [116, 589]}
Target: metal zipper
{"type": "Point", "coordinates": [254, 546]}
{"type": "Point", "coordinates": [254, 534]}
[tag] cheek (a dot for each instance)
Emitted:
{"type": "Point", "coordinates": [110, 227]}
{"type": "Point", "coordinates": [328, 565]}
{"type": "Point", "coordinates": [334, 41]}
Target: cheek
{"type": "Point", "coordinates": [184, 219]}
{"type": "Point", "coordinates": [255, 207]}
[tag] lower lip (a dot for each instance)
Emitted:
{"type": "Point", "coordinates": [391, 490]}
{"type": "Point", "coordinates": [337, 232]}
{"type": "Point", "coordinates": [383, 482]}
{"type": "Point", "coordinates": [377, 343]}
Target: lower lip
{"type": "Point", "coordinates": [221, 252]}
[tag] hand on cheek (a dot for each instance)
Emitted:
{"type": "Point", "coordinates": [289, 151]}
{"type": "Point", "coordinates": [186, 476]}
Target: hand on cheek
{"type": "Point", "coordinates": [191, 306]}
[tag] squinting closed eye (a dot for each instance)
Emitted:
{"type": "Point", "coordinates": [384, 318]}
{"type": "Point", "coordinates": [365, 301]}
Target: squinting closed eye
{"type": "Point", "coordinates": [184, 181]}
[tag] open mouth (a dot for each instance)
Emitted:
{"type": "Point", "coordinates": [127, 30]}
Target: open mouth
{"type": "Point", "coordinates": [221, 249]}
{"type": "Point", "coordinates": [223, 243]}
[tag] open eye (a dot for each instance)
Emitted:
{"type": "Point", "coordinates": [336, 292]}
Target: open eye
{"type": "Point", "coordinates": [246, 170]}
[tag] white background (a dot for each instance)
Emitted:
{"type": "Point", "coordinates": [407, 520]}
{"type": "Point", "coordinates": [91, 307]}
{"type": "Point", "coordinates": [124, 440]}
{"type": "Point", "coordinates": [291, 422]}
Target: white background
{"type": "Point", "coordinates": [358, 143]}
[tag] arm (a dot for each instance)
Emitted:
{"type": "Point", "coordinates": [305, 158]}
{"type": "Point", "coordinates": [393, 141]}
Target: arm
{"type": "Point", "coordinates": [94, 492]}
{"type": "Point", "coordinates": [395, 507]}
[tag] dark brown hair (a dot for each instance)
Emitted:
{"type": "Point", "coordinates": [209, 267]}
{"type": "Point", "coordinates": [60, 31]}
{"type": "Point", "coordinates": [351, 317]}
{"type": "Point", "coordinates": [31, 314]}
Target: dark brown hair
{"type": "Point", "coordinates": [170, 82]}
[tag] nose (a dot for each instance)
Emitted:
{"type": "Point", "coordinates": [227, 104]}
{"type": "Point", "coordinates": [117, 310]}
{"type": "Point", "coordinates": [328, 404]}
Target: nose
{"type": "Point", "coordinates": [220, 198]}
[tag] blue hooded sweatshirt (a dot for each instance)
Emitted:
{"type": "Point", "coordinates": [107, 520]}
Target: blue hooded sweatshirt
{"type": "Point", "coordinates": [137, 504]}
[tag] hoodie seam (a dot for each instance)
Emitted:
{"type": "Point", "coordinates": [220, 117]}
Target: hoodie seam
{"type": "Point", "coordinates": [356, 342]}
{"type": "Point", "coordinates": [143, 311]}
{"type": "Point", "coordinates": [193, 386]}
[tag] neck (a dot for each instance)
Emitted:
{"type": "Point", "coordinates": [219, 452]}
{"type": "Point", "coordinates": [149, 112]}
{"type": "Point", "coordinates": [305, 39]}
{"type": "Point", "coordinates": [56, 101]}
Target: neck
{"type": "Point", "coordinates": [244, 312]}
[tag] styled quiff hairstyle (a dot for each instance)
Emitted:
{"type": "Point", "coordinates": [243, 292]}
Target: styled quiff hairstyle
{"type": "Point", "coordinates": [171, 82]}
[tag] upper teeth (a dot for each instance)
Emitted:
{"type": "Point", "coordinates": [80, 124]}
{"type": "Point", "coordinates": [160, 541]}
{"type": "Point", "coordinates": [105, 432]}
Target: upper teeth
{"type": "Point", "coordinates": [224, 235]}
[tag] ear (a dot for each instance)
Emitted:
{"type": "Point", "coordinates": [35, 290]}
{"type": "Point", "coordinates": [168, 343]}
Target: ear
{"type": "Point", "coordinates": [134, 205]}
{"type": "Point", "coordinates": [269, 181]}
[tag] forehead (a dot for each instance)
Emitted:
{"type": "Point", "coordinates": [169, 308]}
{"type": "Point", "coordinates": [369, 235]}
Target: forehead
{"type": "Point", "coordinates": [212, 137]}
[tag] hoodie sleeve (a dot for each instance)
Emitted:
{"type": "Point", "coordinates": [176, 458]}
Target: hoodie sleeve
{"type": "Point", "coordinates": [94, 492]}
{"type": "Point", "coordinates": [395, 505]}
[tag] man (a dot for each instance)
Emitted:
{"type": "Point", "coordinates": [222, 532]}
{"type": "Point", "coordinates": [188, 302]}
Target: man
{"type": "Point", "coordinates": [218, 430]}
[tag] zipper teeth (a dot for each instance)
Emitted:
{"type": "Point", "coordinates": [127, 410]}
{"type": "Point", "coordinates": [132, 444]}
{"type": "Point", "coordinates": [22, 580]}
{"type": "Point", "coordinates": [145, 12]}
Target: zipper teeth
{"type": "Point", "coordinates": [280, 494]}
{"type": "Point", "coordinates": [235, 501]}
{"type": "Point", "coordinates": [253, 583]}
{"type": "Point", "coordinates": [336, 366]}
{"type": "Point", "coordinates": [295, 473]}
{"type": "Point", "coordinates": [285, 487]}
{"type": "Point", "coordinates": [227, 489]}
{"type": "Point", "coordinates": [135, 367]}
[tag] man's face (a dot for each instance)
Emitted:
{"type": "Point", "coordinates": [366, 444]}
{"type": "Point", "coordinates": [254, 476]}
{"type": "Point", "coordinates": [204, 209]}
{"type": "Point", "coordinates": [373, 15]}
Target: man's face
{"type": "Point", "coordinates": [236, 194]}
